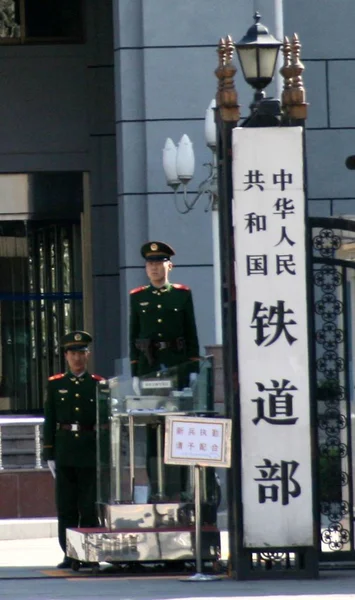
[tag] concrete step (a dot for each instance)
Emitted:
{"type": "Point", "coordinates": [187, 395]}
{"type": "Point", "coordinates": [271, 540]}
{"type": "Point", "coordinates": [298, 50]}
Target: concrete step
{"type": "Point", "coordinates": [9, 434]}
{"type": "Point", "coordinates": [18, 443]}
{"type": "Point", "coordinates": [17, 529]}
{"type": "Point", "coordinates": [20, 462]}
{"type": "Point", "coordinates": [19, 430]}
{"type": "Point", "coordinates": [18, 451]}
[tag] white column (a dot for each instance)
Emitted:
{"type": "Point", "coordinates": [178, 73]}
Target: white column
{"type": "Point", "coordinates": [279, 35]}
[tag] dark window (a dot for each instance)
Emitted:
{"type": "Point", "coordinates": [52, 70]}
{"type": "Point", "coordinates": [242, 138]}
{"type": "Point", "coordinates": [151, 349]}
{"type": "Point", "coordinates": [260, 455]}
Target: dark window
{"type": "Point", "coordinates": [28, 21]}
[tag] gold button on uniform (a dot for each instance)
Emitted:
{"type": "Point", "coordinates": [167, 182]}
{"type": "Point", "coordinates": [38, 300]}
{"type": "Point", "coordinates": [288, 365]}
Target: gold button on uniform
{"type": "Point", "coordinates": [76, 435]}
{"type": "Point", "coordinates": [160, 320]}
{"type": "Point", "coordinates": [77, 408]}
{"type": "Point", "coordinates": [159, 306]}
{"type": "Point", "coordinates": [77, 382]}
{"type": "Point", "coordinates": [77, 395]}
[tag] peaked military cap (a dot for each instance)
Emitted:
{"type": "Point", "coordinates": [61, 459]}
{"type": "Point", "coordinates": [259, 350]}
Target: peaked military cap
{"type": "Point", "coordinates": [76, 340]}
{"type": "Point", "coordinates": [157, 251]}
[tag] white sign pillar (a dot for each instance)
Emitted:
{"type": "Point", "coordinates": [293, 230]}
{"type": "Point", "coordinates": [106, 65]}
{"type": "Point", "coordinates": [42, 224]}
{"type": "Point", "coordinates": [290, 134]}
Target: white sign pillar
{"type": "Point", "coordinates": [270, 271]}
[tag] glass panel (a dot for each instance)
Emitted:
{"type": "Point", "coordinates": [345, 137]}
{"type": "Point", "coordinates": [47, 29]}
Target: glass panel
{"type": "Point", "coordinates": [9, 19]}
{"type": "Point", "coordinates": [247, 58]}
{"type": "Point", "coordinates": [14, 376]}
{"type": "Point", "coordinates": [131, 435]}
{"type": "Point", "coordinates": [267, 60]}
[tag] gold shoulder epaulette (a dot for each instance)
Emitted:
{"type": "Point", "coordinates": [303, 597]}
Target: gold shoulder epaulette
{"type": "Point", "coordinates": [97, 377]}
{"type": "Point", "coordinates": [58, 376]}
{"type": "Point", "coordinates": [180, 286]}
{"type": "Point", "coordinates": [138, 289]}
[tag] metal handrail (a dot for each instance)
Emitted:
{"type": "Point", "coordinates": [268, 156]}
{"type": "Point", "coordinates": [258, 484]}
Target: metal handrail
{"type": "Point", "coordinates": [36, 422]}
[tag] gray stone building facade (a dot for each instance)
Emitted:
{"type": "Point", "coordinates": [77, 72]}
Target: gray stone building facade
{"type": "Point", "coordinates": [100, 110]}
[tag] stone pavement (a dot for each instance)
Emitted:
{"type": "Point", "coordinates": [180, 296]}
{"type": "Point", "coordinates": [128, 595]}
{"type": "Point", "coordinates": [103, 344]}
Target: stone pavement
{"type": "Point", "coordinates": [19, 584]}
{"type": "Point", "coordinates": [27, 572]}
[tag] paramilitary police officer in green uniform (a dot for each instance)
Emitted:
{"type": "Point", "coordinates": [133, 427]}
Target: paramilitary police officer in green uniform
{"type": "Point", "coordinates": [162, 334]}
{"type": "Point", "coordinates": [69, 433]}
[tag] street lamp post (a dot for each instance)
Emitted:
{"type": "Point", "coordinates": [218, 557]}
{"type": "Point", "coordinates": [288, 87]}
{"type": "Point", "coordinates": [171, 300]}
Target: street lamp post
{"type": "Point", "coordinates": [227, 117]}
{"type": "Point", "coordinates": [257, 52]}
{"type": "Point", "coordinates": [179, 167]}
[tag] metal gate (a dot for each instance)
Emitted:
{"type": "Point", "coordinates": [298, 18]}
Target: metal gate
{"type": "Point", "coordinates": [333, 265]}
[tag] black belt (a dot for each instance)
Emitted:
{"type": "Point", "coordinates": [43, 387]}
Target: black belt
{"type": "Point", "coordinates": [76, 427]}
{"type": "Point", "coordinates": [162, 345]}
{"type": "Point", "coordinates": [176, 344]}
{"type": "Point", "coordinates": [149, 347]}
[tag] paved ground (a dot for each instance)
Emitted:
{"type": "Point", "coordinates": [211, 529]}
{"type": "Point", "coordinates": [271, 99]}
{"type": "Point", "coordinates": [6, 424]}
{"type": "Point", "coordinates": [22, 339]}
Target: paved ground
{"type": "Point", "coordinates": [340, 586]}
{"type": "Point", "coordinates": [27, 572]}
{"type": "Point", "coordinates": [29, 553]}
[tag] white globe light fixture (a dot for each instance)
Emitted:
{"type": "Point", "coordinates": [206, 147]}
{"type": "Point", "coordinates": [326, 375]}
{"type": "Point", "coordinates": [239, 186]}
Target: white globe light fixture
{"type": "Point", "coordinates": [210, 126]}
{"type": "Point", "coordinates": [179, 167]}
{"type": "Point", "coordinates": [169, 164]}
{"type": "Point", "coordinates": [185, 160]}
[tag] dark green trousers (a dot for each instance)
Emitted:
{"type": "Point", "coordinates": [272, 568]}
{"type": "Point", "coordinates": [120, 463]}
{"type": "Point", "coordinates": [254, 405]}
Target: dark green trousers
{"type": "Point", "coordinates": [75, 499]}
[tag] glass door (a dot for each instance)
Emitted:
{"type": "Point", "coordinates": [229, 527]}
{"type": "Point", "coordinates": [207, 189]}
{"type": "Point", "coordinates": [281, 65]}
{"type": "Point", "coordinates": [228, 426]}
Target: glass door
{"type": "Point", "coordinates": [40, 299]}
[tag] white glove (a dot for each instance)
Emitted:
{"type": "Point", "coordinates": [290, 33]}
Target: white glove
{"type": "Point", "coordinates": [136, 386]}
{"type": "Point", "coordinates": [51, 466]}
{"type": "Point", "coordinates": [193, 378]}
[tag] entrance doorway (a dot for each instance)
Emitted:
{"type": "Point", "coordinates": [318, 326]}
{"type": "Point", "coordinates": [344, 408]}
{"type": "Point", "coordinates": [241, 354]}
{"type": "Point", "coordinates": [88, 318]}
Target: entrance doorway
{"type": "Point", "coordinates": [40, 299]}
{"type": "Point", "coordinates": [40, 281]}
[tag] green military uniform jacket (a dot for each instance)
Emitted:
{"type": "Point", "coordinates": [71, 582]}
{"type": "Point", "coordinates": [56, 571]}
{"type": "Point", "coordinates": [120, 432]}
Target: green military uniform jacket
{"type": "Point", "coordinates": [70, 400]}
{"type": "Point", "coordinates": [161, 317]}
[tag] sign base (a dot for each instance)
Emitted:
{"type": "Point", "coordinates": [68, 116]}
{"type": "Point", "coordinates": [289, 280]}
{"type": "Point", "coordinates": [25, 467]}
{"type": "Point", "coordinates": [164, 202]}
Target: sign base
{"type": "Point", "coordinates": [203, 577]}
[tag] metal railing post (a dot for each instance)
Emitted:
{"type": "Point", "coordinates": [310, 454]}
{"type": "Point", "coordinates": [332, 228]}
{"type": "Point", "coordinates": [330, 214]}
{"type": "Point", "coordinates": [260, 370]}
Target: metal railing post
{"type": "Point", "coordinates": [1, 462]}
{"type": "Point", "coordinates": [38, 447]}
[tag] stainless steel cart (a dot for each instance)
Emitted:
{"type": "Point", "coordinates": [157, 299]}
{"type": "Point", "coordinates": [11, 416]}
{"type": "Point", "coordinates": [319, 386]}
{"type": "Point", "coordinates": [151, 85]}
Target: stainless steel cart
{"type": "Point", "coordinates": [133, 530]}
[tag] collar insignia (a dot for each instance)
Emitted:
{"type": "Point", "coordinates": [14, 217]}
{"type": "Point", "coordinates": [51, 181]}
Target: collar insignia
{"type": "Point", "coordinates": [165, 288]}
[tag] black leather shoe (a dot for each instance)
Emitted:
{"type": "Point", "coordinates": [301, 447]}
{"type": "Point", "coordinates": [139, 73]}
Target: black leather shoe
{"type": "Point", "coordinates": [65, 564]}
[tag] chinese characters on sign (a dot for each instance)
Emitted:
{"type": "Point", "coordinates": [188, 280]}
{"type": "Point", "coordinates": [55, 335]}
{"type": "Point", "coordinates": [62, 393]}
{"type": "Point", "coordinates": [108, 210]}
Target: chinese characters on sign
{"type": "Point", "coordinates": [269, 237]}
{"type": "Point", "coordinates": [195, 440]}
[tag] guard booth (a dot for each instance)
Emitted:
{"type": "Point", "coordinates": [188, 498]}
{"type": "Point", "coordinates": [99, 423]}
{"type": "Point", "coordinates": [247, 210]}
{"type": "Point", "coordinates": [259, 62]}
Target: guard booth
{"type": "Point", "coordinates": [332, 242]}
{"type": "Point", "coordinates": [146, 508]}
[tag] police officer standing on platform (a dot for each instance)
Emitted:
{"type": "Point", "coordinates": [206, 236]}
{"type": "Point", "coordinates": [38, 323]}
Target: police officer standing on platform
{"type": "Point", "coordinates": [69, 438]}
{"type": "Point", "coordinates": [163, 334]}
